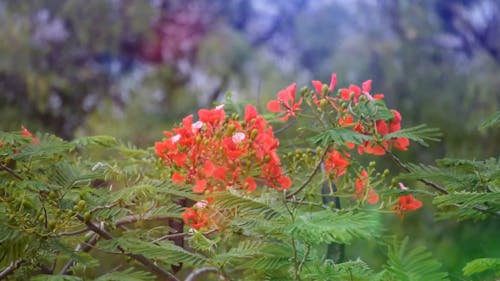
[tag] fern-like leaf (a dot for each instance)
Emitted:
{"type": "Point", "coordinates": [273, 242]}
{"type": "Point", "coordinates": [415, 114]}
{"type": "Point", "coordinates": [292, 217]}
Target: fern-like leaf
{"type": "Point", "coordinates": [327, 227]}
{"type": "Point", "coordinates": [491, 121]}
{"type": "Point", "coordinates": [339, 136]}
{"type": "Point", "coordinates": [420, 134]}
{"type": "Point", "coordinates": [481, 265]}
{"type": "Point", "coordinates": [46, 277]}
{"type": "Point", "coordinates": [414, 264]}
{"type": "Point", "coordinates": [128, 274]}
{"type": "Point", "coordinates": [247, 206]}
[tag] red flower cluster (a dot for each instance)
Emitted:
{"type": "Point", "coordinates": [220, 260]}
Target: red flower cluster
{"type": "Point", "coordinates": [353, 93]}
{"type": "Point", "coordinates": [285, 103]}
{"type": "Point", "coordinates": [216, 152]}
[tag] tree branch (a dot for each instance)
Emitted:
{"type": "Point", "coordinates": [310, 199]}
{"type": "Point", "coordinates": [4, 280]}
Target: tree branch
{"type": "Point", "coordinates": [309, 178]}
{"type": "Point", "coordinates": [10, 171]}
{"type": "Point", "coordinates": [150, 265]}
{"type": "Point", "coordinates": [436, 186]}
{"type": "Point", "coordinates": [10, 269]}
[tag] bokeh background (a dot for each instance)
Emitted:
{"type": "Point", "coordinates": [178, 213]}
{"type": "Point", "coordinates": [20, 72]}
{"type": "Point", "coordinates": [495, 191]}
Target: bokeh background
{"type": "Point", "coordinates": [132, 68]}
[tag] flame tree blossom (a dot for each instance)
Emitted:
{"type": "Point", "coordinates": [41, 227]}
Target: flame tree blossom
{"type": "Point", "coordinates": [216, 153]}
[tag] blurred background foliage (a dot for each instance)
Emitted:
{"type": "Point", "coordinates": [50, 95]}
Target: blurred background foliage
{"type": "Point", "coordinates": [131, 68]}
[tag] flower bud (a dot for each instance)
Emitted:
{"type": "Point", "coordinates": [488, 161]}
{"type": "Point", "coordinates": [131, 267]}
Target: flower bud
{"type": "Point", "coordinates": [254, 133]}
{"type": "Point", "coordinates": [323, 103]}
{"type": "Point", "coordinates": [304, 91]}
{"type": "Point", "coordinates": [87, 216]}
{"type": "Point", "coordinates": [325, 90]}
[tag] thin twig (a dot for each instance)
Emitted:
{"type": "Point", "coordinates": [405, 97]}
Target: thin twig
{"type": "Point", "coordinates": [71, 233]}
{"type": "Point", "coordinates": [10, 269]}
{"type": "Point", "coordinates": [136, 218]}
{"type": "Point", "coordinates": [104, 207]}
{"type": "Point", "coordinates": [304, 258]}
{"type": "Point", "coordinates": [84, 247]}
{"type": "Point", "coordinates": [427, 182]}
{"type": "Point", "coordinates": [10, 171]}
{"type": "Point", "coordinates": [184, 234]}
{"type": "Point", "coordinates": [140, 258]}
{"type": "Point", "coordinates": [309, 178]}
{"type": "Point", "coordinates": [282, 129]}
{"type": "Point", "coordinates": [434, 185]}
{"type": "Point", "coordinates": [192, 276]}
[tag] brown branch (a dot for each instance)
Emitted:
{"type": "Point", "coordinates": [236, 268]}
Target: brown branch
{"type": "Point", "coordinates": [426, 182]}
{"type": "Point", "coordinates": [10, 269]}
{"type": "Point", "coordinates": [84, 247]}
{"type": "Point", "coordinates": [10, 171]}
{"type": "Point", "coordinates": [436, 186]}
{"type": "Point", "coordinates": [309, 178]}
{"type": "Point", "coordinates": [150, 265]}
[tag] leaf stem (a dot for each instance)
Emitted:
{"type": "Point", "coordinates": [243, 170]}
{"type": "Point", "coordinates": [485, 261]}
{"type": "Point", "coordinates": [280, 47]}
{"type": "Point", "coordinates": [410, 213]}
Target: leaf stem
{"type": "Point", "coordinates": [309, 178]}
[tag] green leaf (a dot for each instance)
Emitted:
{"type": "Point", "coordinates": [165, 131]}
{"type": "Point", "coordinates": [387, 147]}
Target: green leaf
{"type": "Point", "coordinates": [491, 121]}
{"type": "Point", "coordinates": [164, 251]}
{"type": "Point", "coordinates": [480, 265]}
{"type": "Point", "coordinates": [339, 136]}
{"type": "Point", "coordinates": [420, 134]}
{"type": "Point", "coordinates": [103, 140]}
{"type": "Point", "coordinates": [349, 270]}
{"type": "Point", "coordinates": [328, 226]}
{"type": "Point", "coordinates": [414, 264]}
{"type": "Point", "coordinates": [247, 206]}
{"type": "Point", "coordinates": [45, 277]}
{"type": "Point", "coordinates": [48, 147]}
{"type": "Point", "coordinates": [128, 274]}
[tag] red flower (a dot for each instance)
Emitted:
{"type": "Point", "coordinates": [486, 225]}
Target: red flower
{"type": "Point", "coordinates": [286, 99]}
{"type": "Point", "coordinates": [178, 178]}
{"type": "Point", "coordinates": [360, 186]}
{"type": "Point", "coordinates": [336, 163]}
{"type": "Point", "coordinates": [318, 85]}
{"type": "Point", "coordinates": [27, 133]}
{"type": "Point", "coordinates": [195, 217]}
{"type": "Point", "coordinates": [250, 184]}
{"type": "Point", "coordinates": [372, 197]}
{"type": "Point", "coordinates": [406, 203]}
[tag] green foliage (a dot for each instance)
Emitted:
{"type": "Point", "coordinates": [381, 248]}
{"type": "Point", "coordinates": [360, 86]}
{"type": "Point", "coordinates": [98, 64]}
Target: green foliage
{"type": "Point", "coordinates": [339, 136]}
{"type": "Point", "coordinates": [492, 121]}
{"type": "Point", "coordinates": [473, 186]}
{"type": "Point", "coordinates": [328, 226]}
{"type": "Point", "coordinates": [45, 277]}
{"type": "Point", "coordinates": [128, 274]}
{"type": "Point", "coordinates": [420, 134]}
{"type": "Point", "coordinates": [483, 264]}
{"type": "Point", "coordinates": [349, 270]}
{"type": "Point", "coordinates": [414, 264]}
